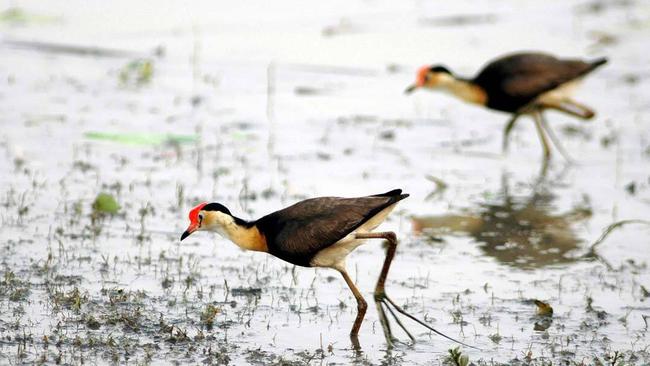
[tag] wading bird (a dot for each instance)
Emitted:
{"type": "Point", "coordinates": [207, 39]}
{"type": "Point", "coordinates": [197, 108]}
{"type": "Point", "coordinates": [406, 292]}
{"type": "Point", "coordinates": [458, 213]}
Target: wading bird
{"type": "Point", "coordinates": [317, 232]}
{"type": "Point", "coordinates": [521, 84]}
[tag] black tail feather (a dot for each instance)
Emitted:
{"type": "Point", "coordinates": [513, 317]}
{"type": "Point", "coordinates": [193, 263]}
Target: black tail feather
{"type": "Point", "coordinates": [393, 193]}
{"type": "Point", "coordinates": [598, 62]}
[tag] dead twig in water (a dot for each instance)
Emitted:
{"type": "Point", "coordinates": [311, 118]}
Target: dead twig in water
{"type": "Point", "coordinates": [608, 230]}
{"type": "Point", "coordinates": [441, 186]}
{"type": "Point", "coordinates": [71, 49]}
{"type": "Point", "coordinates": [613, 226]}
{"type": "Point", "coordinates": [330, 69]}
{"type": "Point", "coordinates": [459, 20]}
{"type": "Point", "coordinates": [270, 107]}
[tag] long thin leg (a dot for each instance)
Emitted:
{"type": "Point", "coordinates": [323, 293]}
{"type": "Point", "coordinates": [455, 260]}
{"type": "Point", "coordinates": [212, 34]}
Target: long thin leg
{"type": "Point", "coordinates": [391, 238]}
{"type": "Point", "coordinates": [507, 130]}
{"type": "Point", "coordinates": [554, 138]}
{"type": "Point", "coordinates": [571, 107]}
{"type": "Point", "coordinates": [399, 322]}
{"type": "Point", "coordinates": [586, 112]}
{"type": "Point", "coordinates": [362, 305]}
{"type": "Point", "coordinates": [379, 288]}
{"type": "Point", "coordinates": [382, 300]}
{"type": "Point", "coordinates": [537, 116]}
{"type": "Point", "coordinates": [385, 325]}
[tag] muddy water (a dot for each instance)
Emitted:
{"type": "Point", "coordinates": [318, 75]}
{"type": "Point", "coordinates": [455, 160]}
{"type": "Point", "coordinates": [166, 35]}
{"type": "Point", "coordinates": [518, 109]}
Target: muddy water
{"type": "Point", "coordinates": [257, 106]}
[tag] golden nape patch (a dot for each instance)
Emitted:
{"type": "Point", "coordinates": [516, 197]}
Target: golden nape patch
{"type": "Point", "coordinates": [468, 92]}
{"type": "Point", "coordinates": [248, 238]}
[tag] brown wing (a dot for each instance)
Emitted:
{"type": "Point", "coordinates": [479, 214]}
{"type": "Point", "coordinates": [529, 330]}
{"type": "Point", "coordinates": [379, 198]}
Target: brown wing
{"type": "Point", "coordinates": [515, 80]}
{"type": "Point", "coordinates": [298, 232]}
{"type": "Point", "coordinates": [537, 75]}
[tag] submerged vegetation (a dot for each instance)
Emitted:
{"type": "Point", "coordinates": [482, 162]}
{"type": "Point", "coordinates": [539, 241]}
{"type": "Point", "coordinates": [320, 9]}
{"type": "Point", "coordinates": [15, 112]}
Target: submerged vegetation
{"type": "Point", "coordinates": [104, 150]}
{"type": "Point", "coordinates": [137, 73]}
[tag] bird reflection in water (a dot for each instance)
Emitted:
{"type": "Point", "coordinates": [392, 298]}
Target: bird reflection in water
{"type": "Point", "coordinates": [521, 231]}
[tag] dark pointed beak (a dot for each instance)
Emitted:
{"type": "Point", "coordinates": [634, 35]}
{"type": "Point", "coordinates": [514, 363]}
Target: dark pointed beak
{"type": "Point", "coordinates": [190, 229]}
{"type": "Point", "coordinates": [410, 89]}
{"type": "Point", "coordinates": [185, 235]}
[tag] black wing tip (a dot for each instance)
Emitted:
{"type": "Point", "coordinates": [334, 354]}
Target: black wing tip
{"type": "Point", "coordinates": [393, 192]}
{"type": "Point", "coordinates": [599, 62]}
{"type": "Point", "coordinates": [396, 193]}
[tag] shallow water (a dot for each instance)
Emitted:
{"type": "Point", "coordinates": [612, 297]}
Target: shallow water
{"type": "Point", "coordinates": [286, 103]}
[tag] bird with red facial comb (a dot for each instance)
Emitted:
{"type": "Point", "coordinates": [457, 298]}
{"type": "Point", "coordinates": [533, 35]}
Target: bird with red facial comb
{"type": "Point", "coordinates": [317, 232]}
{"type": "Point", "coordinates": [521, 84]}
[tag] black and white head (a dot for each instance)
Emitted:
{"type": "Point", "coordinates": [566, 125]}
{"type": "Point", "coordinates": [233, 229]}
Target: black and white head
{"type": "Point", "coordinates": [209, 217]}
{"type": "Point", "coordinates": [431, 77]}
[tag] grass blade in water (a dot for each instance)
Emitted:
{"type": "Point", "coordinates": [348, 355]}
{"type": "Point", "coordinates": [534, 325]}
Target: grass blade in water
{"type": "Point", "coordinates": [142, 139]}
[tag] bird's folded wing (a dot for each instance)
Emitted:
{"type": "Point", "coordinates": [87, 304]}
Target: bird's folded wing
{"type": "Point", "coordinates": [302, 230]}
{"type": "Point", "coordinates": [537, 76]}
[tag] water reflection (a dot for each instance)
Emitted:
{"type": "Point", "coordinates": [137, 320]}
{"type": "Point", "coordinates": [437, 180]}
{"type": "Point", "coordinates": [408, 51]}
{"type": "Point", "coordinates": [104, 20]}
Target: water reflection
{"type": "Point", "coordinates": [518, 230]}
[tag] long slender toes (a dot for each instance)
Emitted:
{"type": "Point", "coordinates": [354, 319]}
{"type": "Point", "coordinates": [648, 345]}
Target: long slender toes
{"type": "Point", "coordinates": [388, 334]}
{"type": "Point", "coordinates": [399, 322]}
{"type": "Point", "coordinates": [579, 110]}
{"type": "Point", "coordinates": [408, 315]}
{"type": "Point", "coordinates": [589, 114]}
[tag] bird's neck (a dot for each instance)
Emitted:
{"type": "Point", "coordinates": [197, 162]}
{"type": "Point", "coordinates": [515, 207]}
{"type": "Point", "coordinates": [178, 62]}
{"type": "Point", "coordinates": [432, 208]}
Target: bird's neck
{"type": "Point", "coordinates": [246, 236]}
{"type": "Point", "coordinates": [467, 91]}
{"type": "Point", "coordinates": [243, 233]}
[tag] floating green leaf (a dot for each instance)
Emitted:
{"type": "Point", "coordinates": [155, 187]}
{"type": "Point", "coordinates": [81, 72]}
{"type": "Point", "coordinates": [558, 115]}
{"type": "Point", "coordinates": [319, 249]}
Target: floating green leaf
{"type": "Point", "coordinates": [105, 203]}
{"type": "Point", "coordinates": [137, 72]}
{"type": "Point", "coordinates": [17, 15]}
{"type": "Point", "coordinates": [141, 138]}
